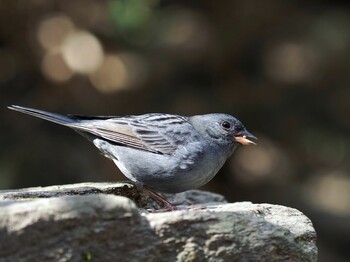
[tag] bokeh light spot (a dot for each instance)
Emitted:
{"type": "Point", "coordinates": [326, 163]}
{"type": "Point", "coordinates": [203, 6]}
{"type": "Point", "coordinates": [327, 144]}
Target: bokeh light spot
{"type": "Point", "coordinates": [265, 161]}
{"type": "Point", "coordinates": [52, 31]}
{"type": "Point", "coordinates": [125, 70]}
{"type": "Point", "coordinates": [290, 63]}
{"type": "Point", "coordinates": [187, 31]}
{"type": "Point", "coordinates": [54, 68]}
{"type": "Point", "coordinates": [82, 52]}
{"type": "Point", "coordinates": [111, 75]}
{"type": "Point", "coordinates": [330, 192]}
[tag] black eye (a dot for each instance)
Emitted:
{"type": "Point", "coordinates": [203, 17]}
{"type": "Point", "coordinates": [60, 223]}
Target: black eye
{"type": "Point", "coordinates": [226, 125]}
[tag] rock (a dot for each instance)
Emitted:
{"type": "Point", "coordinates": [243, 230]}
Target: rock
{"type": "Point", "coordinates": [88, 222]}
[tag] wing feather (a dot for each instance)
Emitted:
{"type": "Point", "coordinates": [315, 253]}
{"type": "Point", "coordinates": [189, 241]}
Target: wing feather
{"type": "Point", "coordinates": [151, 132]}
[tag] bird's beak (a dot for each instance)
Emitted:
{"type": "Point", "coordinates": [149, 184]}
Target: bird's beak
{"type": "Point", "coordinates": [244, 137]}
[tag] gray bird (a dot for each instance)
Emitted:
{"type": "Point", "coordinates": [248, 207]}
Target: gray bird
{"type": "Point", "coordinates": [160, 152]}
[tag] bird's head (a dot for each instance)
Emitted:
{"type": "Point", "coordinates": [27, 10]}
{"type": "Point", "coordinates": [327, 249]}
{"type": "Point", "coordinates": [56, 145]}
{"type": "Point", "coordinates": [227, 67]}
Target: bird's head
{"type": "Point", "coordinates": [223, 129]}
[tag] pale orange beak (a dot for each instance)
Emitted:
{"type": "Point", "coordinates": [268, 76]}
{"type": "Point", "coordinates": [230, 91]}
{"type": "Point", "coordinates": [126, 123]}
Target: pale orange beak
{"type": "Point", "coordinates": [244, 138]}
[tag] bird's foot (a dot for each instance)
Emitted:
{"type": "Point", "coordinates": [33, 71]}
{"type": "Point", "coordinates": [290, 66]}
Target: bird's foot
{"type": "Point", "coordinates": [167, 206]}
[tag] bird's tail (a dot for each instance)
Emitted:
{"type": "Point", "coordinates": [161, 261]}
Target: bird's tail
{"type": "Point", "coordinates": [56, 118]}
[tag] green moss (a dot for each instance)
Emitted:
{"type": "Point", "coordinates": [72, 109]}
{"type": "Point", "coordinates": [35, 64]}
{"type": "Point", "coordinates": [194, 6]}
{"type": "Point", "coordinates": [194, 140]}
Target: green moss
{"type": "Point", "coordinates": [87, 256]}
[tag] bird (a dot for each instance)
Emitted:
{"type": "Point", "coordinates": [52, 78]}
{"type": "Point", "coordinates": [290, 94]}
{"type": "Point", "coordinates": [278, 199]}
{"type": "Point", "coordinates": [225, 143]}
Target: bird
{"type": "Point", "coordinates": [158, 152]}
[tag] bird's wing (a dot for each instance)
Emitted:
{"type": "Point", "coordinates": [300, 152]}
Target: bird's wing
{"type": "Point", "coordinates": [156, 133]}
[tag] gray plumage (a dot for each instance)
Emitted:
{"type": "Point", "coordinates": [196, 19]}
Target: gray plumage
{"type": "Point", "coordinates": [166, 153]}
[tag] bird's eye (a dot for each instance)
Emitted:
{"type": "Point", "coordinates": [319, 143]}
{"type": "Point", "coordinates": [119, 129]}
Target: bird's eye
{"type": "Point", "coordinates": [226, 125]}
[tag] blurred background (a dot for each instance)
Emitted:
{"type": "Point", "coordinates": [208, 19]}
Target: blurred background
{"type": "Point", "coordinates": [281, 67]}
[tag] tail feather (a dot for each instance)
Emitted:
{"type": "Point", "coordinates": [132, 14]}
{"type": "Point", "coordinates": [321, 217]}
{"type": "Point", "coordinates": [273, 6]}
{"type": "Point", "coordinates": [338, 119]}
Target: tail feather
{"type": "Point", "coordinates": [56, 118]}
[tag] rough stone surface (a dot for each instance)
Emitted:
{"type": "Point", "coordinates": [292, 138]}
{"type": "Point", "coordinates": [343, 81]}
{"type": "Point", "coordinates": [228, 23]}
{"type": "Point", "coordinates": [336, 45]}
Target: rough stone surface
{"type": "Point", "coordinates": [88, 222]}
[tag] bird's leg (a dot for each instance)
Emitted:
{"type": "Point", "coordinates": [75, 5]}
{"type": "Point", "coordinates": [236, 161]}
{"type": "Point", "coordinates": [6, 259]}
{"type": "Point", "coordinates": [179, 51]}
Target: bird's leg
{"type": "Point", "coordinates": [160, 200]}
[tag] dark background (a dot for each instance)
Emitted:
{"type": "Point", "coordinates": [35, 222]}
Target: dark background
{"type": "Point", "coordinates": [281, 67]}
